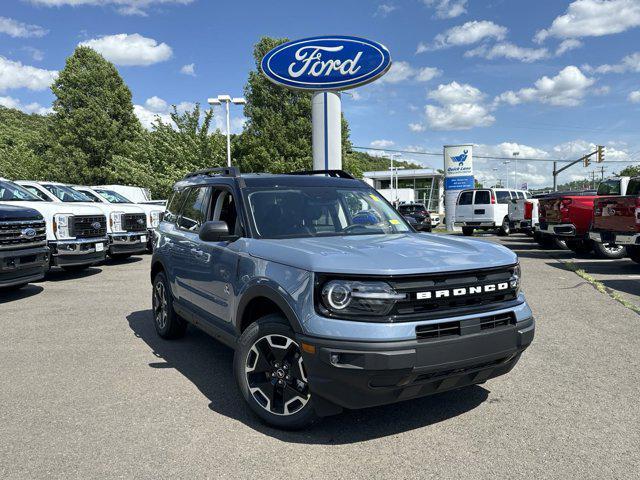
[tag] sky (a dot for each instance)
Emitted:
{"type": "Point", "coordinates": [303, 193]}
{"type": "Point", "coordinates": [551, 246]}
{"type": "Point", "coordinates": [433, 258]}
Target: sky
{"type": "Point", "coordinates": [549, 79]}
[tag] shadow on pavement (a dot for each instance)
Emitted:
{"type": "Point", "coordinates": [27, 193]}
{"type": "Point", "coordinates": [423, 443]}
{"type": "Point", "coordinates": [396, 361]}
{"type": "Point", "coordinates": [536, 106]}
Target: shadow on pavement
{"type": "Point", "coordinates": [8, 295]}
{"type": "Point", "coordinates": [59, 275]}
{"type": "Point", "coordinates": [122, 261]}
{"type": "Point", "coordinates": [208, 365]}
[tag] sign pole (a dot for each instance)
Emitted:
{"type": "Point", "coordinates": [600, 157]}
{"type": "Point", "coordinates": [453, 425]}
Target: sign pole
{"type": "Point", "coordinates": [326, 118]}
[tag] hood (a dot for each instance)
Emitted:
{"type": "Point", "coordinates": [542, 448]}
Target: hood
{"type": "Point", "coordinates": [398, 254]}
{"type": "Point", "coordinates": [14, 213]}
{"type": "Point", "coordinates": [107, 208]}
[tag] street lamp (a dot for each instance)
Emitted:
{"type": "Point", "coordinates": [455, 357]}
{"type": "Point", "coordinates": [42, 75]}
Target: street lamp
{"type": "Point", "coordinates": [391, 157]}
{"type": "Point", "coordinates": [226, 99]}
{"type": "Point", "coordinates": [506, 164]}
{"type": "Point", "coordinates": [515, 173]}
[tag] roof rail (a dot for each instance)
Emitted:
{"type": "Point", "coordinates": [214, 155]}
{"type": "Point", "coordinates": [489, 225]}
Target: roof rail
{"type": "Point", "coordinates": [217, 171]}
{"type": "Point", "coordinates": [328, 173]}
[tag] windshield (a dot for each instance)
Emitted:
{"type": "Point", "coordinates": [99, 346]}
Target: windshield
{"type": "Point", "coordinates": [66, 194]}
{"type": "Point", "coordinates": [113, 197]}
{"type": "Point", "coordinates": [314, 212]}
{"type": "Point", "coordinates": [415, 208]}
{"type": "Point", "coordinates": [12, 192]}
{"type": "Point", "coordinates": [609, 187]}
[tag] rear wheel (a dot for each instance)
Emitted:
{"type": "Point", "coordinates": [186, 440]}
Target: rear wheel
{"type": "Point", "coordinates": [581, 247]}
{"type": "Point", "coordinates": [505, 228]}
{"type": "Point", "coordinates": [271, 375]}
{"type": "Point", "coordinates": [167, 322]}
{"type": "Point", "coordinates": [467, 231]}
{"type": "Point", "coordinates": [609, 250]}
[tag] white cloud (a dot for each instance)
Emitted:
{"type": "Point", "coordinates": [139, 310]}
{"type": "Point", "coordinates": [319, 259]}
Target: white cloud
{"type": "Point", "coordinates": [466, 34]}
{"type": "Point", "coordinates": [593, 18]}
{"type": "Point", "coordinates": [156, 104]}
{"type": "Point", "coordinates": [384, 9]}
{"type": "Point", "coordinates": [510, 51]}
{"type": "Point", "coordinates": [630, 63]}
{"type": "Point", "coordinates": [428, 73]}
{"type": "Point", "coordinates": [17, 29]}
{"type": "Point", "coordinates": [567, 45]}
{"type": "Point", "coordinates": [130, 49]}
{"type": "Point", "coordinates": [16, 75]}
{"type": "Point", "coordinates": [567, 88]}
{"type": "Point", "coordinates": [37, 55]}
{"type": "Point", "coordinates": [10, 102]}
{"type": "Point", "coordinates": [382, 143]}
{"type": "Point", "coordinates": [124, 7]}
{"type": "Point", "coordinates": [455, 92]}
{"type": "Point", "coordinates": [417, 127]}
{"type": "Point", "coordinates": [156, 107]}
{"type": "Point", "coordinates": [189, 69]}
{"type": "Point", "coordinates": [447, 8]}
{"type": "Point", "coordinates": [148, 117]}
{"type": "Point", "coordinates": [461, 108]}
{"type": "Point", "coordinates": [634, 97]}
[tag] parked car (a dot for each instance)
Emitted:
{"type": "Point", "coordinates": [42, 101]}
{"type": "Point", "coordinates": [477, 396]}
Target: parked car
{"type": "Point", "coordinates": [153, 212]}
{"type": "Point", "coordinates": [616, 221]}
{"type": "Point", "coordinates": [76, 234]}
{"type": "Point", "coordinates": [523, 214]}
{"type": "Point", "coordinates": [135, 194]}
{"type": "Point", "coordinates": [485, 209]}
{"type": "Point", "coordinates": [569, 216]}
{"type": "Point", "coordinates": [24, 255]}
{"type": "Point", "coordinates": [419, 213]}
{"type": "Point", "coordinates": [325, 312]}
{"type": "Point", "coordinates": [126, 226]}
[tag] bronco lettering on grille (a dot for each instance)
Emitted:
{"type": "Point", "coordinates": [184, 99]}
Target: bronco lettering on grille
{"type": "Point", "coordinates": [462, 291]}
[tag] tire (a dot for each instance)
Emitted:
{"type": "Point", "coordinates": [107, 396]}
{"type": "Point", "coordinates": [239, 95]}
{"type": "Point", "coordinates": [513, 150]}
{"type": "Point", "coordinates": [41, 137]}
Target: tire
{"type": "Point", "coordinates": [633, 253]}
{"type": "Point", "coordinates": [120, 256]}
{"type": "Point", "coordinates": [609, 251]}
{"type": "Point", "coordinates": [467, 231]}
{"type": "Point", "coordinates": [505, 228]}
{"type": "Point", "coordinates": [270, 374]}
{"type": "Point", "coordinates": [75, 268]}
{"type": "Point", "coordinates": [581, 247]}
{"type": "Point", "coordinates": [167, 322]}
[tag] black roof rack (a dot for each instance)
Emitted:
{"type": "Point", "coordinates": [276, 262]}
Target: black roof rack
{"type": "Point", "coordinates": [328, 173]}
{"type": "Point", "coordinates": [218, 171]}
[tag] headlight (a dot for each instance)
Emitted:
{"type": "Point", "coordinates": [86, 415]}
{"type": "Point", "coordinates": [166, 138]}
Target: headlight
{"type": "Point", "coordinates": [516, 277]}
{"type": "Point", "coordinates": [154, 217]}
{"type": "Point", "coordinates": [115, 220]}
{"type": "Point", "coordinates": [62, 226]}
{"type": "Point", "coordinates": [355, 298]}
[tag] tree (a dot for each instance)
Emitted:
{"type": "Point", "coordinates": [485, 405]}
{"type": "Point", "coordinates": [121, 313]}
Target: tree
{"type": "Point", "coordinates": [93, 119]}
{"type": "Point", "coordinates": [277, 135]}
{"type": "Point", "coordinates": [630, 171]}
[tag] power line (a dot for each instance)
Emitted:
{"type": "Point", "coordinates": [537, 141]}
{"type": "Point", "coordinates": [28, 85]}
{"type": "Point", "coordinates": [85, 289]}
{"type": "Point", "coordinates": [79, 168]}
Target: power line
{"type": "Point", "coordinates": [486, 157]}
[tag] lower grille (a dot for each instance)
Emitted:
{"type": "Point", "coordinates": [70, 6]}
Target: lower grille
{"type": "Point", "coordinates": [88, 226]}
{"type": "Point", "coordinates": [19, 234]}
{"type": "Point", "coordinates": [473, 325]}
{"type": "Point", "coordinates": [134, 222]}
{"type": "Point", "coordinates": [438, 330]}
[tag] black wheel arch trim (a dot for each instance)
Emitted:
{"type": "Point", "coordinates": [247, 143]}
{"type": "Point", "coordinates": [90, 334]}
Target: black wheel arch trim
{"type": "Point", "coordinates": [272, 294]}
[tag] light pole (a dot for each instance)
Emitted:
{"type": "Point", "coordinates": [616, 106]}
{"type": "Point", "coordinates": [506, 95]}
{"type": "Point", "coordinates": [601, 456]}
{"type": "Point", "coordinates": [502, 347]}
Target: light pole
{"type": "Point", "coordinates": [393, 188]}
{"type": "Point", "coordinates": [506, 164]}
{"type": "Point", "coordinates": [515, 173]}
{"type": "Point", "coordinates": [226, 99]}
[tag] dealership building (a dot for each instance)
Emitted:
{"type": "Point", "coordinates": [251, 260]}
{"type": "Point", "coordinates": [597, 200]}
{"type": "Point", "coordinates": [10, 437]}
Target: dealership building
{"type": "Point", "coordinates": [426, 184]}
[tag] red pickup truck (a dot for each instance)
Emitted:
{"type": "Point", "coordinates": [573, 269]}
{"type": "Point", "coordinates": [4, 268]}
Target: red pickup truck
{"type": "Point", "coordinates": [570, 217]}
{"type": "Point", "coordinates": [616, 220]}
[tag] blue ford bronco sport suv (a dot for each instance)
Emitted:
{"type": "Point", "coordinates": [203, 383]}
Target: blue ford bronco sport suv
{"type": "Point", "coordinates": [329, 298]}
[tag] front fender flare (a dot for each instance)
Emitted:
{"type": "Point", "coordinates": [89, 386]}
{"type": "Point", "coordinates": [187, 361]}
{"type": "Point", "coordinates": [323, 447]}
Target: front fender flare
{"type": "Point", "coordinates": [271, 293]}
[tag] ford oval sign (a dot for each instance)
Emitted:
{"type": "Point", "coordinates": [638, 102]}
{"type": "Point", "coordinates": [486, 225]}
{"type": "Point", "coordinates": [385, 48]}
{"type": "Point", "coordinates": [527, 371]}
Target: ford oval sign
{"type": "Point", "coordinates": [326, 63]}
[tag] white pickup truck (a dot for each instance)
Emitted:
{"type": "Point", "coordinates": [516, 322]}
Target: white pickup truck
{"type": "Point", "coordinates": [103, 195]}
{"type": "Point", "coordinates": [76, 234]}
{"type": "Point", "coordinates": [523, 215]}
{"type": "Point", "coordinates": [126, 225]}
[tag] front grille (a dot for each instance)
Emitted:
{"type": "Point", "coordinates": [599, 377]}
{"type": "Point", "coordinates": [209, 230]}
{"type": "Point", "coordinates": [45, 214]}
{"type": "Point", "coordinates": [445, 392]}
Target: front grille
{"type": "Point", "coordinates": [19, 234]}
{"type": "Point", "coordinates": [89, 226]}
{"type": "Point", "coordinates": [465, 327]}
{"type": "Point", "coordinates": [134, 222]}
{"type": "Point", "coordinates": [459, 371]}
{"type": "Point", "coordinates": [438, 330]}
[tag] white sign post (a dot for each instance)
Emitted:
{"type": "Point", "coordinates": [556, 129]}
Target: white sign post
{"type": "Point", "coordinates": [458, 175]}
{"type": "Point", "coordinates": [327, 130]}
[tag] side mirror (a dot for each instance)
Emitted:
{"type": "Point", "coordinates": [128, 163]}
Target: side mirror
{"type": "Point", "coordinates": [215, 231]}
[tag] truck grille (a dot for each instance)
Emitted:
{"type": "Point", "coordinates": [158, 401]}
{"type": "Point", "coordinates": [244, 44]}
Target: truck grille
{"type": "Point", "coordinates": [134, 222]}
{"type": "Point", "coordinates": [88, 226]}
{"type": "Point", "coordinates": [19, 234]}
{"type": "Point", "coordinates": [465, 327]}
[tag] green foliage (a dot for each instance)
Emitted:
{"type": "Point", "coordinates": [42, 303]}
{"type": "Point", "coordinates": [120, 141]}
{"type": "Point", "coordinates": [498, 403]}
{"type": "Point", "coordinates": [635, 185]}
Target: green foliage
{"type": "Point", "coordinates": [630, 171]}
{"type": "Point", "coordinates": [94, 118]}
{"type": "Point", "coordinates": [358, 162]}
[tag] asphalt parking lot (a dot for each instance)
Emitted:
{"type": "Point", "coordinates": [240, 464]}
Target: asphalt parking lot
{"type": "Point", "coordinates": [90, 391]}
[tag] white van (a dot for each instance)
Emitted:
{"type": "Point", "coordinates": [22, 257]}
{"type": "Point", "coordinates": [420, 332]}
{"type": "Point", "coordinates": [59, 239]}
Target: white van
{"type": "Point", "coordinates": [485, 209]}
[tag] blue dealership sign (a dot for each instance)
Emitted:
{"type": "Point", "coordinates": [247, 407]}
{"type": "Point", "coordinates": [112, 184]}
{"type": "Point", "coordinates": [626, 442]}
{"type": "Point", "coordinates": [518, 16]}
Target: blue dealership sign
{"type": "Point", "coordinates": [333, 62]}
{"type": "Point", "coordinates": [459, 183]}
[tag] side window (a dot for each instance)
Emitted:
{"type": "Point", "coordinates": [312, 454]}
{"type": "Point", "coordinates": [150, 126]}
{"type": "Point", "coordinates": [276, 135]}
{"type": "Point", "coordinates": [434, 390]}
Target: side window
{"type": "Point", "coordinates": [483, 197]}
{"type": "Point", "coordinates": [502, 196]}
{"type": "Point", "coordinates": [520, 194]}
{"type": "Point", "coordinates": [173, 206]}
{"type": "Point", "coordinates": [37, 193]}
{"type": "Point", "coordinates": [92, 196]}
{"type": "Point", "coordinates": [634, 187]}
{"type": "Point", "coordinates": [223, 207]}
{"type": "Point", "coordinates": [193, 212]}
{"type": "Point", "coordinates": [465, 198]}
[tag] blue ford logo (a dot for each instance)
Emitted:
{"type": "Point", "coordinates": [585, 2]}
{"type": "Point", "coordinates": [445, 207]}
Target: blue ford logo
{"type": "Point", "coordinates": [28, 232]}
{"type": "Point", "coordinates": [96, 225]}
{"type": "Point", "coordinates": [326, 63]}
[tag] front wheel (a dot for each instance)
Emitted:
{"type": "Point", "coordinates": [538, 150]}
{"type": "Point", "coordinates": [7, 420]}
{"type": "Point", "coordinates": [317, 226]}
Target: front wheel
{"type": "Point", "coordinates": [581, 247]}
{"type": "Point", "coordinates": [167, 322]}
{"type": "Point", "coordinates": [609, 250]}
{"type": "Point", "coordinates": [271, 375]}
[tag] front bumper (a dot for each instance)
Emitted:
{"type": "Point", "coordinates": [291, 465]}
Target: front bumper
{"type": "Point", "coordinates": [79, 251]}
{"type": "Point", "coordinates": [128, 242]}
{"type": "Point", "coordinates": [353, 375]}
{"type": "Point", "coordinates": [615, 238]}
{"type": "Point", "coordinates": [23, 266]}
